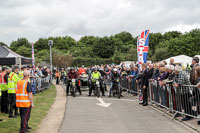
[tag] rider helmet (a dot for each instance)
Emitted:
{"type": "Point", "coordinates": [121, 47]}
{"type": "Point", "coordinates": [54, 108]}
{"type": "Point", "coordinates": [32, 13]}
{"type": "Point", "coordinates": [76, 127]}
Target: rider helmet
{"type": "Point", "coordinates": [115, 70]}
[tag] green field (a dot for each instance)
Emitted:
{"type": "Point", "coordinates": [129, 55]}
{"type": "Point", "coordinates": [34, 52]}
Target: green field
{"type": "Point", "coordinates": [42, 101]}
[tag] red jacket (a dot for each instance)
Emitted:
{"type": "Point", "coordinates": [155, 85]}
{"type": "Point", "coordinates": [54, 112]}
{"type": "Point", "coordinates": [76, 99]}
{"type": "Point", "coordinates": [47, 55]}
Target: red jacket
{"type": "Point", "coordinates": [81, 70]}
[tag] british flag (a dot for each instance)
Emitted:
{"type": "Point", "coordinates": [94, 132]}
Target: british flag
{"type": "Point", "coordinates": [143, 46]}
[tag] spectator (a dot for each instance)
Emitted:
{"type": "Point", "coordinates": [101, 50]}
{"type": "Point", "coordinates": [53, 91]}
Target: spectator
{"type": "Point", "coordinates": [44, 72]}
{"type": "Point", "coordinates": [172, 62]}
{"type": "Point", "coordinates": [151, 70]}
{"type": "Point", "coordinates": [134, 75]}
{"type": "Point", "coordinates": [57, 77]}
{"type": "Point", "coordinates": [197, 81]}
{"type": "Point", "coordinates": [195, 62]}
{"type": "Point", "coordinates": [162, 89]}
{"type": "Point", "coordinates": [156, 74]}
{"type": "Point", "coordinates": [182, 79]}
{"type": "Point", "coordinates": [144, 84]}
{"type": "Point", "coordinates": [81, 70]}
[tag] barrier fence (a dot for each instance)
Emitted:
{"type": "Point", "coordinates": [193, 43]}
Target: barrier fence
{"type": "Point", "coordinates": [183, 100]}
{"type": "Point", "coordinates": [41, 83]}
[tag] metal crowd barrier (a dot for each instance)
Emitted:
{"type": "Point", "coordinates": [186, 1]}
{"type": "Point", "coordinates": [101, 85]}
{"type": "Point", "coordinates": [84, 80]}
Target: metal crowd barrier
{"type": "Point", "coordinates": [183, 100]}
{"type": "Point", "coordinates": [129, 84]}
{"type": "Point", "coordinates": [42, 83]}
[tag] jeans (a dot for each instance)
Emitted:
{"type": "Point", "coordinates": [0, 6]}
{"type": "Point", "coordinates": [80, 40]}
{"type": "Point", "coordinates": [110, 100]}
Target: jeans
{"type": "Point", "coordinates": [134, 87]}
{"type": "Point", "coordinates": [111, 87]}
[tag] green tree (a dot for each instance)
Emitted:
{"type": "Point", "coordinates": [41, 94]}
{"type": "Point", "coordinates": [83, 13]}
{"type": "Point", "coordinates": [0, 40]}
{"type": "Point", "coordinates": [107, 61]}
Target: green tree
{"type": "Point", "coordinates": [104, 47]}
{"type": "Point", "coordinates": [3, 44]}
{"type": "Point", "coordinates": [24, 51]}
{"type": "Point", "coordinates": [20, 42]}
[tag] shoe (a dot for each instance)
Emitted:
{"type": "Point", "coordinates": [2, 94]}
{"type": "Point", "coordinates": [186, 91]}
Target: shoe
{"type": "Point", "coordinates": [29, 128]}
{"type": "Point", "coordinates": [103, 95]}
{"type": "Point", "coordinates": [109, 96]}
{"type": "Point", "coordinates": [177, 115]}
{"type": "Point", "coordinates": [145, 104]}
{"type": "Point", "coordinates": [1, 119]}
{"type": "Point", "coordinates": [89, 95]}
{"type": "Point", "coordinates": [198, 122]}
{"type": "Point", "coordinates": [16, 113]}
{"type": "Point", "coordinates": [121, 95]}
{"type": "Point", "coordinates": [141, 103]}
{"type": "Point", "coordinates": [80, 94]}
{"type": "Point", "coordinates": [12, 116]}
{"type": "Point", "coordinates": [134, 94]}
{"type": "Point", "coordinates": [186, 118]}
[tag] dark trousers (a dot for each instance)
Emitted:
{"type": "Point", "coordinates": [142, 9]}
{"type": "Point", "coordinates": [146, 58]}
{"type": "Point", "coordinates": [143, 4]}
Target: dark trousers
{"type": "Point", "coordinates": [145, 97]}
{"type": "Point", "coordinates": [4, 102]}
{"type": "Point", "coordinates": [186, 103]}
{"type": "Point", "coordinates": [57, 80]}
{"type": "Point", "coordinates": [12, 103]}
{"type": "Point", "coordinates": [92, 87]}
{"type": "Point", "coordinates": [24, 115]}
{"type": "Point", "coordinates": [77, 86]}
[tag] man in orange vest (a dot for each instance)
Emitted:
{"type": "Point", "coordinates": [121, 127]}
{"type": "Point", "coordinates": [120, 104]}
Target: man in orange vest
{"type": "Point", "coordinates": [24, 100]}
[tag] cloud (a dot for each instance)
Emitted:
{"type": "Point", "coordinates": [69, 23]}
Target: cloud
{"type": "Point", "coordinates": [76, 18]}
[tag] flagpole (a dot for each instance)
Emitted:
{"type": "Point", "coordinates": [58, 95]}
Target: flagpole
{"type": "Point", "coordinates": [33, 65]}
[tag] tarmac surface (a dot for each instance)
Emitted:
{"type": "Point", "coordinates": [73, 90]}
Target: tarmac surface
{"type": "Point", "coordinates": [85, 114]}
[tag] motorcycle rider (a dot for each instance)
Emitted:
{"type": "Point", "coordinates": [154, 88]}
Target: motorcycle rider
{"type": "Point", "coordinates": [115, 75]}
{"type": "Point", "coordinates": [73, 75]}
{"type": "Point", "coordinates": [103, 74]}
{"type": "Point", "coordinates": [96, 75]}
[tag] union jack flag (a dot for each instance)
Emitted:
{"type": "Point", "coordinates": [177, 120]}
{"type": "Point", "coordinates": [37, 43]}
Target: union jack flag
{"type": "Point", "coordinates": [143, 46]}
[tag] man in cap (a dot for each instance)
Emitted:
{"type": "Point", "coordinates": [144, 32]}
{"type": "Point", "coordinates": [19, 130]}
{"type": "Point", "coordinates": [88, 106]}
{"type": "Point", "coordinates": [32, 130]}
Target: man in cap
{"type": "Point", "coordinates": [12, 81]}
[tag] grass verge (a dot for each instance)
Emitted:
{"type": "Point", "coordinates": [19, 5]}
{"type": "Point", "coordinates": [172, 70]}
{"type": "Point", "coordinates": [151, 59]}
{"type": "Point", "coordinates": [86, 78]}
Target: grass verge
{"type": "Point", "coordinates": [42, 101]}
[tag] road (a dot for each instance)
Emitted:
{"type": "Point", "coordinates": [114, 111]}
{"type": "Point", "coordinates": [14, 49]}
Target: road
{"type": "Point", "coordinates": [125, 115]}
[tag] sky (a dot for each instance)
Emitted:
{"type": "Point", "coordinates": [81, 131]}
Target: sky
{"type": "Point", "coordinates": [36, 19]}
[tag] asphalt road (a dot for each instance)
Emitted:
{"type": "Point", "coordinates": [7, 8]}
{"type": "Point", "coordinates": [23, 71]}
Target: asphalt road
{"type": "Point", "coordinates": [125, 115]}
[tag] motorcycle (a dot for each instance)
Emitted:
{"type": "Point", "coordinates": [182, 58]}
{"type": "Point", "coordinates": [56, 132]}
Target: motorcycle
{"type": "Point", "coordinates": [97, 88]}
{"type": "Point", "coordinates": [73, 88]}
{"type": "Point", "coordinates": [116, 88]}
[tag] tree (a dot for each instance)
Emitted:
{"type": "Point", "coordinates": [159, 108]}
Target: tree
{"type": "Point", "coordinates": [61, 59]}
{"type": "Point", "coordinates": [3, 44]}
{"type": "Point", "coordinates": [24, 51]}
{"type": "Point", "coordinates": [161, 54]}
{"type": "Point", "coordinates": [154, 40]}
{"type": "Point", "coordinates": [20, 42]}
{"type": "Point", "coordinates": [104, 47]}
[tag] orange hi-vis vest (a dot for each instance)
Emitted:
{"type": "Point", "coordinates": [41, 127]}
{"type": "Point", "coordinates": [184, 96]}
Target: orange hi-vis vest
{"type": "Point", "coordinates": [22, 99]}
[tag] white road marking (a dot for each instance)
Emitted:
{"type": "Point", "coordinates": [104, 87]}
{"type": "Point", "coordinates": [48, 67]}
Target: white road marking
{"type": "Point", "coordinates": [102, 103]}
{"type": "Point", "coordinates": [112, 99]}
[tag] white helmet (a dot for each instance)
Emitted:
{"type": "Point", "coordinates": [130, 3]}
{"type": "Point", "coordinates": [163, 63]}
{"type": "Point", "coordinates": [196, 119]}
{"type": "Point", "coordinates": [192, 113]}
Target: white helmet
{"type": "Point", "coordinates": [115, 70]}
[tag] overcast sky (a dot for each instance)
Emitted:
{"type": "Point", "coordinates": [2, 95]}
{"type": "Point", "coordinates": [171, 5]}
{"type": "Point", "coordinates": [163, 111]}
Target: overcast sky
{"type": "Point", "coordinates": [34, 19]}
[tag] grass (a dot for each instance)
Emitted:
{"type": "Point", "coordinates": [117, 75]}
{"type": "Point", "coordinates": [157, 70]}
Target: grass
{"type": "Point", "coordinates": [42, 101]}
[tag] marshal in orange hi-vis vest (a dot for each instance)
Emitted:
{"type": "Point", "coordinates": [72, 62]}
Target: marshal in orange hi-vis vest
{"type": "Point", "coordinates": [22, 99]}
